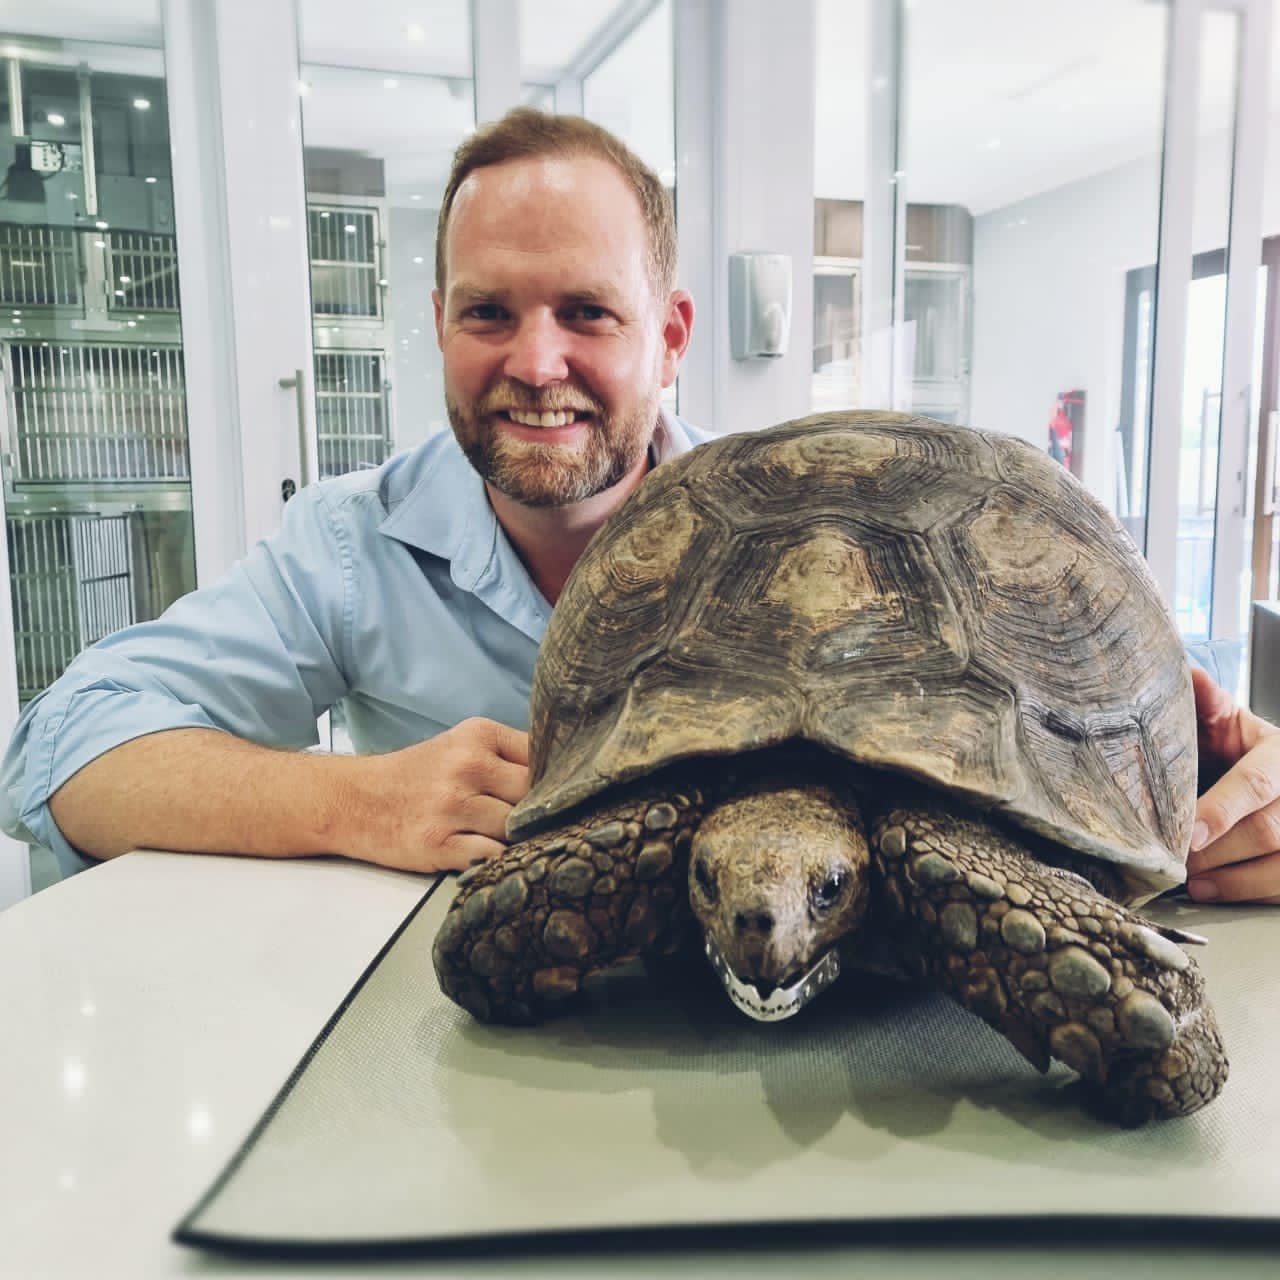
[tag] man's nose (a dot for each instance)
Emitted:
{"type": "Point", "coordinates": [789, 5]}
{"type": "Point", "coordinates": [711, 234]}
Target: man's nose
{"type": "Point", "coordinates": [536, 356]}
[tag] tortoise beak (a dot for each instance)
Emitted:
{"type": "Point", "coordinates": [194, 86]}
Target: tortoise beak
{"type": "Point", "coordinates": [782, 1001]}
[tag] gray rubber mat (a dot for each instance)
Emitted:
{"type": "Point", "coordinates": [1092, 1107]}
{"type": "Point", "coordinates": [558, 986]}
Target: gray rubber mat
{"type": "Point", "coordinates": [408, 1123]}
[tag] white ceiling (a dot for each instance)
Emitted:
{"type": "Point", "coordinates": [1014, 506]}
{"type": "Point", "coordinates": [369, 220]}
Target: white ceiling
{"type": "Point", "coordinates": [1004, 98]}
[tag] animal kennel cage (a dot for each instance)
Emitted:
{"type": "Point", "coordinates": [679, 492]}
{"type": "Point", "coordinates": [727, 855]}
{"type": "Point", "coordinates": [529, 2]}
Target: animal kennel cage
{"type": "Point", "coordinates": [351, 331]}
{"type": "Point", "coordinates": [73, 583]}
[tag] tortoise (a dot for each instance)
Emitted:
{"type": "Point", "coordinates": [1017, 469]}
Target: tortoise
{"type": "Point", "coordinates": [862, 685]}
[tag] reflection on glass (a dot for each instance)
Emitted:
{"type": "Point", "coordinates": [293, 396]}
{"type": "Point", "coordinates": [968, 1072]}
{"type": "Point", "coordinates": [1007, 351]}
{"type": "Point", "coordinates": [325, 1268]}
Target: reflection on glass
{"type": "Point", "coordinates": [96, 473]}
{"type": "Point", "coordinates": [1201, 416]}
{"type": "Point", "coordinates": [376, 156]}
{"type": "Point", "coordinates": [1032, 166]}
{"type": "Point", "coordinates": [385, 103]}
{"type": "Point", "coordinates": [613, 64]}
{"type": "Point", "coordinates": [837, 349]}
{"type": "Point", "coordinates": [1198, 459]}
{"type": "Point", "coordinates": [1252, 459]}
{"type": "Point", "coordinates": [839, 163]}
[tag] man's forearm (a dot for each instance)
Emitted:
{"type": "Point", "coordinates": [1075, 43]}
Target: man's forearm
{"type": "Point", "coordinates": [204, 791]}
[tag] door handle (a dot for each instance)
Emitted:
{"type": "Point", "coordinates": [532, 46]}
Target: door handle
{"type": "Point", "coordinates": [299, 386]}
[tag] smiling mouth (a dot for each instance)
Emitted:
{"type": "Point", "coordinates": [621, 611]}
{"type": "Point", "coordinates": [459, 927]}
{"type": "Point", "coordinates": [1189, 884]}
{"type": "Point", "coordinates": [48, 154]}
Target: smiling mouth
{"type": "Point", "coordinates": [558, 418]}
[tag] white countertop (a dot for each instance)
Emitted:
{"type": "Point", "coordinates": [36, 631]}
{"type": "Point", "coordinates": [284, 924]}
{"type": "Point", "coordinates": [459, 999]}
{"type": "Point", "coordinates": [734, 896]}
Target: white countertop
{"type": "Point", "coordinates": [152, 1008]}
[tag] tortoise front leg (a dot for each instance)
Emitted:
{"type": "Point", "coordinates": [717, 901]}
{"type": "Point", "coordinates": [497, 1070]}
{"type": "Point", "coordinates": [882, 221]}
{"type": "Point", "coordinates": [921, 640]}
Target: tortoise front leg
{"type": "Point", "coordinates": [1054, 965]}
{"type": "Point", "coordinates": [529, 925]}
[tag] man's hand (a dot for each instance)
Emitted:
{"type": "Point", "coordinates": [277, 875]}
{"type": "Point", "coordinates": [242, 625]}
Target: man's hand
{"type": "Point", "coordinates": [443, 804]}
{"type": "Point", "coordinates": [1235, 847]}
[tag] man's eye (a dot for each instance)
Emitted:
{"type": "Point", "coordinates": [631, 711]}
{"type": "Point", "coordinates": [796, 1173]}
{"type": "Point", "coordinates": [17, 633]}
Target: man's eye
{"type": "Point", "coordinates": [589, 313]}
{"type": "Point", "coordinates": [485, 312]}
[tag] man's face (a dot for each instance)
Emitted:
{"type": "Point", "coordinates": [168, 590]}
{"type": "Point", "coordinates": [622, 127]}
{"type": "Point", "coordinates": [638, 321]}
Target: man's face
{"type": "Point", "coordinates": [555, 348]}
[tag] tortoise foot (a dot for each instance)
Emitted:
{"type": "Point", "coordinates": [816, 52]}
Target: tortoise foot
{"type": "Point", "coordinates": [528, 926]}
{"type": "Point", "coordinates": [1054, 965]}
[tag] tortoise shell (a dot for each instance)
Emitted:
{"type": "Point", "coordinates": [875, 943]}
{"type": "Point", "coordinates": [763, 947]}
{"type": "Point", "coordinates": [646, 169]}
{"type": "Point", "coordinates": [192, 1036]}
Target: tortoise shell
{"type": "Point", "coordinates": [931, 601]}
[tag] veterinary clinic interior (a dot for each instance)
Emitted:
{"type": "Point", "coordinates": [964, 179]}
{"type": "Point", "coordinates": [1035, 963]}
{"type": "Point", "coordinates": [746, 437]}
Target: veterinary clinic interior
{"type": "Point", "coordinates": [1056, 220]}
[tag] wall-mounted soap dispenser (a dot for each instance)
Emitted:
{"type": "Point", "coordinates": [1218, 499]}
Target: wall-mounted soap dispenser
{"type": "Point", "coordinates": [759, 305]}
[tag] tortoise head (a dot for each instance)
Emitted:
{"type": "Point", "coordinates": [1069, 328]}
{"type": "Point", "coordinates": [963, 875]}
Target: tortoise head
{"type": "Point", "coordinates": [778, 874]}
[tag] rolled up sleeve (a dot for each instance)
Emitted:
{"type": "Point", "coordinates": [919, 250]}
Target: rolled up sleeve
{"type": "Point", "coordinates": [259, 654]}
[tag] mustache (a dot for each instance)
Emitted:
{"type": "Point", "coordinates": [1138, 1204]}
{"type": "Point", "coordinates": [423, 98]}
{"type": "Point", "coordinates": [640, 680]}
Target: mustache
{"type": "Point", "coordinates": [509, 395]}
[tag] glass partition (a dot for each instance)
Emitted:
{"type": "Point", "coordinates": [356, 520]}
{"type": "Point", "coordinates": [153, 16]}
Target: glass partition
{"type": "Point", "coordinates": [97, 486]}
{"type": "Point", "coordinates": [612, 63]}
{"type": "Point", "coordinates": [93, 431]}
{"type": "Point", "coordinates": [1031, 162]}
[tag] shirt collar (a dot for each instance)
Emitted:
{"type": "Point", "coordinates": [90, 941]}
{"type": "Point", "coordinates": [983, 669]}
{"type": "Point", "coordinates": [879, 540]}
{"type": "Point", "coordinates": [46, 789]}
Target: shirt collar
{"type": "Point", "coordinates": [437, 502]}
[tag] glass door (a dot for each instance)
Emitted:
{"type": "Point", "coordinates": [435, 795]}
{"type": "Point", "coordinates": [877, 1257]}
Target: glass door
{"type": "Point", "coordinates": [93, 433]}
{"type": "Point", "coordinates": [383, 110]}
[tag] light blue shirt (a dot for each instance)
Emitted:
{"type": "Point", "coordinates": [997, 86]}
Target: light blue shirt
{"type": "Point", "coordinates": [393, 592]}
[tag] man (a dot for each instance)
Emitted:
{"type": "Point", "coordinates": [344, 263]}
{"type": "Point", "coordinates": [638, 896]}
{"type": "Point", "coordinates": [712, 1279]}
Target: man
{"type": "Point", "coordinates": [416, 595]}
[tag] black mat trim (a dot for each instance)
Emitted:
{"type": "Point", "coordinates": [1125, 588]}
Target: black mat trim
{"type": "Point", "coordinates": [991, 1234]}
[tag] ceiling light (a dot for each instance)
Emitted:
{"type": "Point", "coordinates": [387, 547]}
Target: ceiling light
{"type": "Point", "coordinates": [324, 215]}
{"type": "Point", "coordinates": [142, 317]}
{"type": "Point", "coordinates": [55, 119]}
{"type": "Point", "coordinates": [416, 32]}
{"type": "Point", "coordinates": [992, 144]}
{"type": "Point", "coordinates": [350, 228]}
{"type": "Point", "coordinates": [417, 262]}
{"type": "Point", "coordinates": [124, 279]}
{"type": "Point", "coordinates": [99, 244]}
{"type": "Point", "coordinates": [391, 83]}
{"type": "Point", "coordinates": [133, 324]}
{"type": "Point", "coordinates": [119, 293]}
{"type": "Point", "coordinates": [102, 226]}
{"type": "Point", "coordinates": [384, 282]}
{"type": "Point", "coordinates": [151, 179]}
{"type": "Point", "coordinates": [141, 104]}
{"type": "Point", "coordinates": [415, 197]}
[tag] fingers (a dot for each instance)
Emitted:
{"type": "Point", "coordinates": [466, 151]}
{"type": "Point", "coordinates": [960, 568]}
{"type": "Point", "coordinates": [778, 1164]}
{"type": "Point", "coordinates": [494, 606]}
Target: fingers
{"type": "Point", "coordinates": [462, 851]}
{"type": "Point", "coordinates": [1225, 731]}
{"type": "Point", "coordinates": [511, 744]}
{"type": "Point", "coordinates": [506, 782]}
{"type": "Point", "coordinates": [1257, 880]}
{"type": "Point", "coordinates": [1249, 786]}
{"type": "Point", "coordinates": [1213, 703]}
{"type": "Point", "coordinates": [484, 816]}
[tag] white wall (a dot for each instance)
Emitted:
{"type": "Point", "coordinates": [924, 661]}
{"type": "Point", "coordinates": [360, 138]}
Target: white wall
{"type": "Point", "coordinates": [1049, 292]}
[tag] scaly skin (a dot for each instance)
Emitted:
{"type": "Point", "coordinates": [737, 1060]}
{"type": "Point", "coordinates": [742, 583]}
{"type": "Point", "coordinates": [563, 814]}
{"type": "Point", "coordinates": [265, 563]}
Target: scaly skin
{"type": "Point", "coordinates": [1054, 965]}
{"type": "Point", "coordinates": [529, 925]}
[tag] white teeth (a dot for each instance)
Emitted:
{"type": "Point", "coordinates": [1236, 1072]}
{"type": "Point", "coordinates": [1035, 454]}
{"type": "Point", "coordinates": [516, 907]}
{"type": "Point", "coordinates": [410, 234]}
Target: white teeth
{"type": "Point", "coordinates": [541, 419]}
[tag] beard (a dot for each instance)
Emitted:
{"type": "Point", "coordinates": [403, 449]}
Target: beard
{"type": "Point", "coordinates": [551, 475]}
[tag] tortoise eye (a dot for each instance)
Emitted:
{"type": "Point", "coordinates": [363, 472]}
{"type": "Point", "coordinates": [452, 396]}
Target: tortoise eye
{"type": "Point", "coordinates": [829, 891]}
{"type": "Point", "coordinates": [705, 881]}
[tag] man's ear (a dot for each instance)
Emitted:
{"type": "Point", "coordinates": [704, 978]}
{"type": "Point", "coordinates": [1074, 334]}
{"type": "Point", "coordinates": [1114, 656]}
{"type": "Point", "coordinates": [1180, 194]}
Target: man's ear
{"type": "Point", "coordinates": [437, 305]}
{"type": "Point", "coordinates": [677, 329]}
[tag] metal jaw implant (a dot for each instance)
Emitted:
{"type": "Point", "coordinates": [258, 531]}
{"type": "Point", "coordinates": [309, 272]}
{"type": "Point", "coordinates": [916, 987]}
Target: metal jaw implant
{"type": "Point", "coordinates": [784, 1001]}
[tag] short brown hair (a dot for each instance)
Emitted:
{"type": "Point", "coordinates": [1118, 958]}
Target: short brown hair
{"type": "Point", "coordinates": [525, 133]}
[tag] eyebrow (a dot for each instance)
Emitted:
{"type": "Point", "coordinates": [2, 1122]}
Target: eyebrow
{"type": "Point", "coordinates": [465, 295]}
{"type": "Point", "coordinates": [601, 296]}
